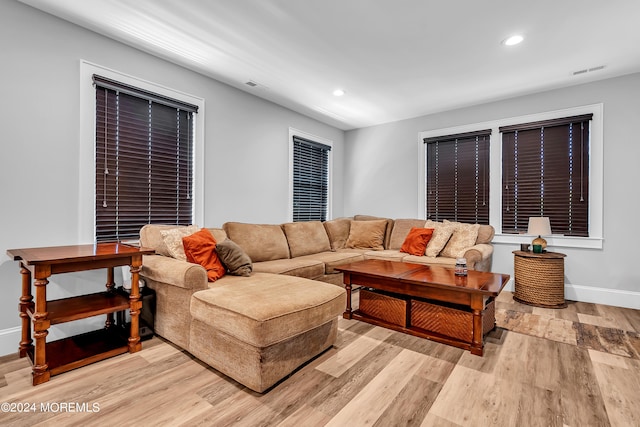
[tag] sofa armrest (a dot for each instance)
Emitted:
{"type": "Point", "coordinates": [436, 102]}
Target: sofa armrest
{"type": "Point", "coordinates": [174, 272]}
{"type": "Point", "coordinates": [479, 257]}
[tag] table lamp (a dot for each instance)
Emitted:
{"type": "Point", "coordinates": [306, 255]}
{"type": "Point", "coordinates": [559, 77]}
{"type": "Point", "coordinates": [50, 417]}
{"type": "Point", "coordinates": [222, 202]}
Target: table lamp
{"type": "Point", "coordinates": [541, 226]}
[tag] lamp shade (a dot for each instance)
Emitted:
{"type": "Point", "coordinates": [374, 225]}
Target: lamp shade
{"type": "Point", "coordinates": [539, 226]}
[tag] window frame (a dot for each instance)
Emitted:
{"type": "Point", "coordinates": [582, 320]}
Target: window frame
{"type": "Point", "coordinates": [87, 144]}
{"type": "Point", "coordinates": [296, 132]}
{"type": "Point", "coordinates": [596, 173]}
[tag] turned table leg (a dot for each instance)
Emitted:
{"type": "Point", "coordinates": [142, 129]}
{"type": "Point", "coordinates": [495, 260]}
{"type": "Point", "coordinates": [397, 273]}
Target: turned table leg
{"type": "Point", "coordinates": [347, 286]}
{"type": "Point", "coordinates": [41, 326]}
{"type": "Point", "coordinates": [26, 304]}
{"type": "Point", "coordinates": [477, 305]}
{"type": "Point", "coordinates": [135, 306]}
{"type": "Point", "coordinates": [111, 284]}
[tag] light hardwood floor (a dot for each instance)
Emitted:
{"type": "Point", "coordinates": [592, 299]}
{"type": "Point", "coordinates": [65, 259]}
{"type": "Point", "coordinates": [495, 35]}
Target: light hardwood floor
{"type": "Point", "coordinates": [579, 366]}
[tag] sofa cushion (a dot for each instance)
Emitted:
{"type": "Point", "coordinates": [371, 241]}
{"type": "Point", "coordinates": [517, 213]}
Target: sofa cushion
{"type": "Point", "coordinates": [200, 248]}
{"type": "Point", "coordinates": [266, 308]}
{"type": "Point", "coordinates": [262, 242]}
{"type": "Point", "coordinates": [172, 238]}
{"type": "Point", "coordinates": [464, 236]}
{"type": "Point", "coordinates": [306, 238]}
{"type": "Point", "coordinates": [367, 234]}
{"type": "Point", "coordinates": [401, 228]}
{"type": "Point", "coordinates": [440, 260]}
{"type": "Point", "coordinates": [236, 261]}
{"type": "Point", "coordinates": [331, 260]}
{"type": "Point", "coordinates": [386, 255]}
{"type": "Point", "coordinates": [338, 232]}
{"type": "Point", "coordinates": [218, 234]}
{"type": "Point", "coordinates": [441, 235]}
{"type": "Point", "coordinates": [300, 267]}
{"type": "Point", "coordinates": [416, 241]}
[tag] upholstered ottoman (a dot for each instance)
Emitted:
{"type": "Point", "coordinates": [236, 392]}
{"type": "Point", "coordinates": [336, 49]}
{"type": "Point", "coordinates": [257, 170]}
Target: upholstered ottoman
{"type": "Point", "coordinates": [259, 329]}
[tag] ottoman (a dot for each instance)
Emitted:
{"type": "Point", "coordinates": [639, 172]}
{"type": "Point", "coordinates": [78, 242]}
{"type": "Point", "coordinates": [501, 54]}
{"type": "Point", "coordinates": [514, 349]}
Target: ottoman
{"type": "Point", "coordinates": [259, 329]}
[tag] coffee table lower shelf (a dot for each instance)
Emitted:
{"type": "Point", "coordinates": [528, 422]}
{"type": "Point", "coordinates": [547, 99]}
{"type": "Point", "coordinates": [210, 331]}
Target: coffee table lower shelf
{"type": "Point", "coordinates": [412, 330]}
{"type": "Point", "coordinates": [441, 322]}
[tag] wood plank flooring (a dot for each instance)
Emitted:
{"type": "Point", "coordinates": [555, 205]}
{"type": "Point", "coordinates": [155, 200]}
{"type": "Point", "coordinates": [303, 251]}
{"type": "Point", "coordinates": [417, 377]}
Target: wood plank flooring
{"type": "Point", "coordinates": [578, 366]}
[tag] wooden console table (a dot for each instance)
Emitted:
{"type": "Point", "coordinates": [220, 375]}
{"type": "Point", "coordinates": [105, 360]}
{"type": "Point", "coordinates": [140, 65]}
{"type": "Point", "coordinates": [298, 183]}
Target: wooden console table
{"type": "Point", "coordinates": [63, 355]}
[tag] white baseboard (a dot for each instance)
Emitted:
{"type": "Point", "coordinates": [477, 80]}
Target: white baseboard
{"type": "Point", "coordinates": [10, 337]}
{"type": "Point", "coordinates": [615, 297]}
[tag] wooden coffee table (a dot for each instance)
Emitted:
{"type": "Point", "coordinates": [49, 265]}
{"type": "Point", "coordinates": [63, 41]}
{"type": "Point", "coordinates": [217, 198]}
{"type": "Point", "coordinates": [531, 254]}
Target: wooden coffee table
{"type": "Point", "coordinates": [426, 301]}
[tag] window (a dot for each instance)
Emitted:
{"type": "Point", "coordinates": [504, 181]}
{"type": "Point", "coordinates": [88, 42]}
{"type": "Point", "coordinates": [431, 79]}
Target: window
{"type": "Point", "coordinates": [144, 160]}
{"type": "Point", "coordinates": [310, 179]}
{"type": "Point", "coordinates": [589, 162]}
{"type": "Point", "coordinates": [545, 172]}
{"type": "Point", "coordinates": [457, 177]}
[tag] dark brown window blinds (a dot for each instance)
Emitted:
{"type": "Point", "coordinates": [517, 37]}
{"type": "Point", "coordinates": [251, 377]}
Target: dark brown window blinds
{"type": "Point", "coordinates": [545, 172]}
{"type": "Point", "coordinates": [310, 180]}
{"type": "Point", "coordinates": [144, 161]}
{"type": "Point", "coordinates": [457, 186]}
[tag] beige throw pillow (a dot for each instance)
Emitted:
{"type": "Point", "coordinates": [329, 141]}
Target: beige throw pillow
{"type": "Point", "coordinates": [464, 236]}
{"type": "Point", "coordinates": [441, 235]}
{"type": "Point", "coordinates": [367, 235]}
{"type": "Point", "coordinates": [173, 240]}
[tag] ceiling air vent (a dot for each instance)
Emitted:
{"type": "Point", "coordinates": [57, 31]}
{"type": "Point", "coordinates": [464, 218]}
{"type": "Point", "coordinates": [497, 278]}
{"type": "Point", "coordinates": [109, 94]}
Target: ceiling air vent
{"type": "Point", "coordinates": [255, 85]}
{"type": "Point", "coordinates": [588, 70]}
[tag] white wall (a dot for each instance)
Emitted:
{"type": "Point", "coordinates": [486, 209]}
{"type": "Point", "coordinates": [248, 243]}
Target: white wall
{"type": "Point", "coordinates": [246, 146]}
{"type": "Point", "coordinates": [381, 178]}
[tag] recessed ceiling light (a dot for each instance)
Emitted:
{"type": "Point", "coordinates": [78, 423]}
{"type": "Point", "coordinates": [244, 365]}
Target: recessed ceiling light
{"type": "Point", "coordinates": [513, 40]}
{"type": "Point", "coordinates": [338, 92]}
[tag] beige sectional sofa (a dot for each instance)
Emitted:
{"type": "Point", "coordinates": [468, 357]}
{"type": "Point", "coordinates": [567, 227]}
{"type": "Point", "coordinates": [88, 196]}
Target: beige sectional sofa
{"type": "Point", "coordinates": [314, 249]}
{"type": "Point", "coordinates": [256, 329]}
{"type": "Point", "coordinates": [259, 328]}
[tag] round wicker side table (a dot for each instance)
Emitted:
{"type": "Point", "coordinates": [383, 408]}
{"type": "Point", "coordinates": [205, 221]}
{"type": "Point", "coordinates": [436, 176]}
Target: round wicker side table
{"type": "Point", "coordinates": [539, 279]}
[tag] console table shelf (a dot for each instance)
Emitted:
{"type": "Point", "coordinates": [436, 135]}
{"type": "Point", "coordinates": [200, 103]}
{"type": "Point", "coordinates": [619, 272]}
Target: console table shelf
{"type": "Point", "coordinates": [51, 358]}
{"type": "Point", "coordinates": [80, 350]}
{"type": "Point", "coordinates": [84, 306]}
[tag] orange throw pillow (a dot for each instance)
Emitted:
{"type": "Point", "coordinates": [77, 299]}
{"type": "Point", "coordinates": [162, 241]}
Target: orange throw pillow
{"type": "Point", "coordinates": [200, 248]}
{"type": "Point", "coordinates": [416, 241]}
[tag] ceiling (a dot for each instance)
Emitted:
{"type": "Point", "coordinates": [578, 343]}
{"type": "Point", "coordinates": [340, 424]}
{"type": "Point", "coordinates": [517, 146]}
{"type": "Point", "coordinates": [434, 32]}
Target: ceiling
{"type": "Point", "coordinates": [395, 59]}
